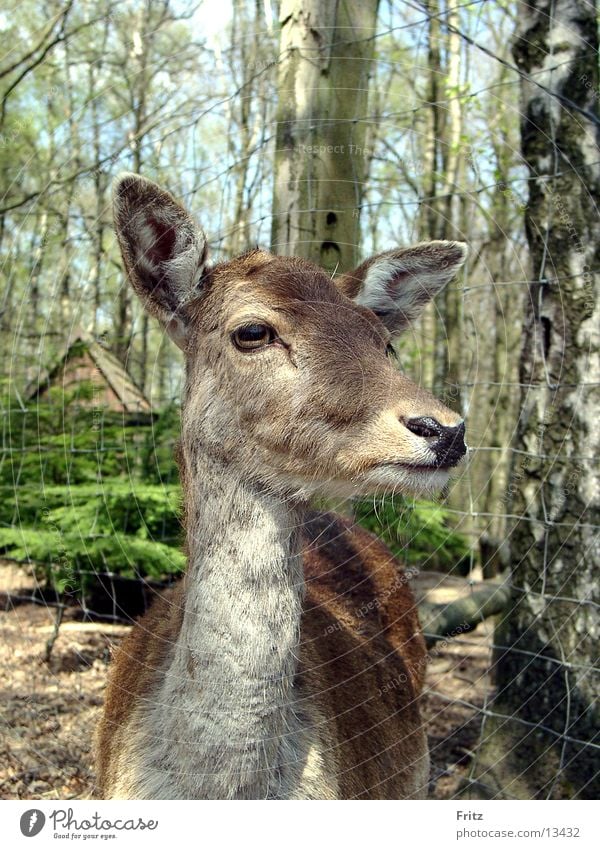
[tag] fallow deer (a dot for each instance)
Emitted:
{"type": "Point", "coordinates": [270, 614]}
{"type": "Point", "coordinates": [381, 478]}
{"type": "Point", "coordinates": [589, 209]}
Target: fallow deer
{"type": "Point", "coordinates": [289, 661]}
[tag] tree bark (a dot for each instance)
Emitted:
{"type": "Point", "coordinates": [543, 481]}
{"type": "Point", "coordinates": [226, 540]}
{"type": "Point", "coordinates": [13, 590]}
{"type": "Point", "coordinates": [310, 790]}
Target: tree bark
{"type": "Point", "coordinates": [320, 162]}
{"type": "Point", "coordinates": [247, 59]}
{"type": "Point", "coordinates": [428, 225]}
{"type": "Point", "coordinates": [141, 41]}
{"type": "Point", "coordinates": [506, 307]}
{"type": "Point", "coordinates": [548, 689]}
{"type": "Point", "coordinates": [450, 335]}
{"type": "Point", "coordinates": [100, 181]}
{"type": "Point", "coordinates": [443, 621]}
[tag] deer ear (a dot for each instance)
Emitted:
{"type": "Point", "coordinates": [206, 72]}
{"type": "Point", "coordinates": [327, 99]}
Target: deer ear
{"type": "Point", "coordinates": [397, 284]}
{"type": "Point", "coordinates": [164, 251]}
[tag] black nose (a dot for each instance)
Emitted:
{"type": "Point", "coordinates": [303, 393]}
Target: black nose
{"type": "Point", "coordinates": [448, 443]}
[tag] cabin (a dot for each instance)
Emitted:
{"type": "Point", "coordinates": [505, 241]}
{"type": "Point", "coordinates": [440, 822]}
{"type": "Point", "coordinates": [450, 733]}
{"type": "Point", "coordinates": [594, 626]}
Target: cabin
{"type": "Point", "coordinates": [86, 361]}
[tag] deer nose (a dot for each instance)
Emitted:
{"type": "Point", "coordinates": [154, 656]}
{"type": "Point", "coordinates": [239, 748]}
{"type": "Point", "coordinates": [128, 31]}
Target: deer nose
{"type": "Point", "coordinates": [447, 443]}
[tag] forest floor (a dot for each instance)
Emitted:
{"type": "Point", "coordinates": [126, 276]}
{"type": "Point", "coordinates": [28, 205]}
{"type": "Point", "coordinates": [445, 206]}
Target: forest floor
{"type": "Point", "coordinates": [48, 711]}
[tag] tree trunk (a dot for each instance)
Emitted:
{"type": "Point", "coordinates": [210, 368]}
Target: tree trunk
{"type": "Point", "coordinates": [427, 214]}
{"type": "Point", "coordinates": [245, 55]}
{"type": "Point", "coordinates": [38, 247]}
{"type": "Point", "coordinates": [442, 322]}
{"type": "Point", "coordinates": [450, 335]}
{"type": "Point", "coordinates": [506, 307]}
{"type": "Point", "coordinates": [548, 690]}
{"type": "Point", "coordinates": [139, 97]}
{"type": "Point", "coordinates": [320, 162]}
{"type": "Point", "coordinates": [447, 620]}
{"type": "Point", "coordinates": [95, 69]}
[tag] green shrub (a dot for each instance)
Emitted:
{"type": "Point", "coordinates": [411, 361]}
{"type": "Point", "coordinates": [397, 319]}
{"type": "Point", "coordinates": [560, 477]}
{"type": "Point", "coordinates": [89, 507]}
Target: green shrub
{"type": "Point", "coordinates": [82, 492]}
{"type": "Point", "coordinates": [69, 562]}
{"type": "Point", "coordinates": [417, 532]}
{"type": "Point", "coordinates": [158, 451]}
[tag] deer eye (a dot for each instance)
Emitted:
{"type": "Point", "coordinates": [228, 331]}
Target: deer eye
{"type": "Point", "coordinates": [253, 336]}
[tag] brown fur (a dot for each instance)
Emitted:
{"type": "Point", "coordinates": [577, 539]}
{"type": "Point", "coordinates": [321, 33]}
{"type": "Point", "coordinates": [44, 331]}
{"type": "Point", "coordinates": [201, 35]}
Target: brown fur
{"type": "Point", "coordinates": [362, 660]}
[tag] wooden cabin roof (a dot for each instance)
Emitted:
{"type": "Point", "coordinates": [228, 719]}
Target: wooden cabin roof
{"type": "Point", "coordinates": [86, 359]}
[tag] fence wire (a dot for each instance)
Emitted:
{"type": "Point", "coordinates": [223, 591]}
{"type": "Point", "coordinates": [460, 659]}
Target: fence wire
{"type": "Point", "coordinates": [477, 520]}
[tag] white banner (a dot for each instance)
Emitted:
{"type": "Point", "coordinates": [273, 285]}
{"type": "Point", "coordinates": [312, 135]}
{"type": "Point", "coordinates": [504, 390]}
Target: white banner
{"type": "Point", "coordinates": [283, 825]}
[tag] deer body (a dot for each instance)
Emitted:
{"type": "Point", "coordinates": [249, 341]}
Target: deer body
{"type": "Point", "coordinates": [289, 661]}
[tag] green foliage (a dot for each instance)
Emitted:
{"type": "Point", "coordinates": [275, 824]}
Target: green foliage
{"type": "Point", "coordinates": [83, 493]}
{"type": "Point", "coordinates": [417, 532]}
{"type": "Point", "coordinates": [69, 562]}
{"type": "Point", "coordinates": [113, 504]}
{"type": "Point", "coordinates": [158, 453]}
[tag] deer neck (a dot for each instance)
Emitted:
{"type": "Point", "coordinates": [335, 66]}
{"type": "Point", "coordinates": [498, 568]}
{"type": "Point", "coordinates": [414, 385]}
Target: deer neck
{"type": "Point", "coordinates": [234, 661]}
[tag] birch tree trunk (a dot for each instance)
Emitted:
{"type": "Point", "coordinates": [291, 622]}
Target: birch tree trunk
{"type": "Point", "coordinates": [548, 690]}
{"type": "Point", "coordinates": [320, 164]}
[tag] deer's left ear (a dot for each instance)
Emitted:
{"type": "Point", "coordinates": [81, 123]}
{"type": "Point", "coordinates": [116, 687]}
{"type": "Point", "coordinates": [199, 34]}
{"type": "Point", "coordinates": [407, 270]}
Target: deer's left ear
{"type": "Point", "coordinates": [397, 284]}
{"type": "Point", "coordinates": [163, 250]}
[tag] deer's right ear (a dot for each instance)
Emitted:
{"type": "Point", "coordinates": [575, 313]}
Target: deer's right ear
{"type": "Point", "coordinates": [397, 284]}
{"type": "Point", "coordinates": [163, 250]}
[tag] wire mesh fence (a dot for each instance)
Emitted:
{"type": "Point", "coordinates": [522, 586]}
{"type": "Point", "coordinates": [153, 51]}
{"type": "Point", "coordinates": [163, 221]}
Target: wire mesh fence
{"type": "Point", "coordinates": [564, 654]}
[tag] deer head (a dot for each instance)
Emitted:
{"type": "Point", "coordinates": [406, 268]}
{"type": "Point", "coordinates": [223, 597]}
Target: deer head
{"type": "Point", "coordinates": [290, 376]}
